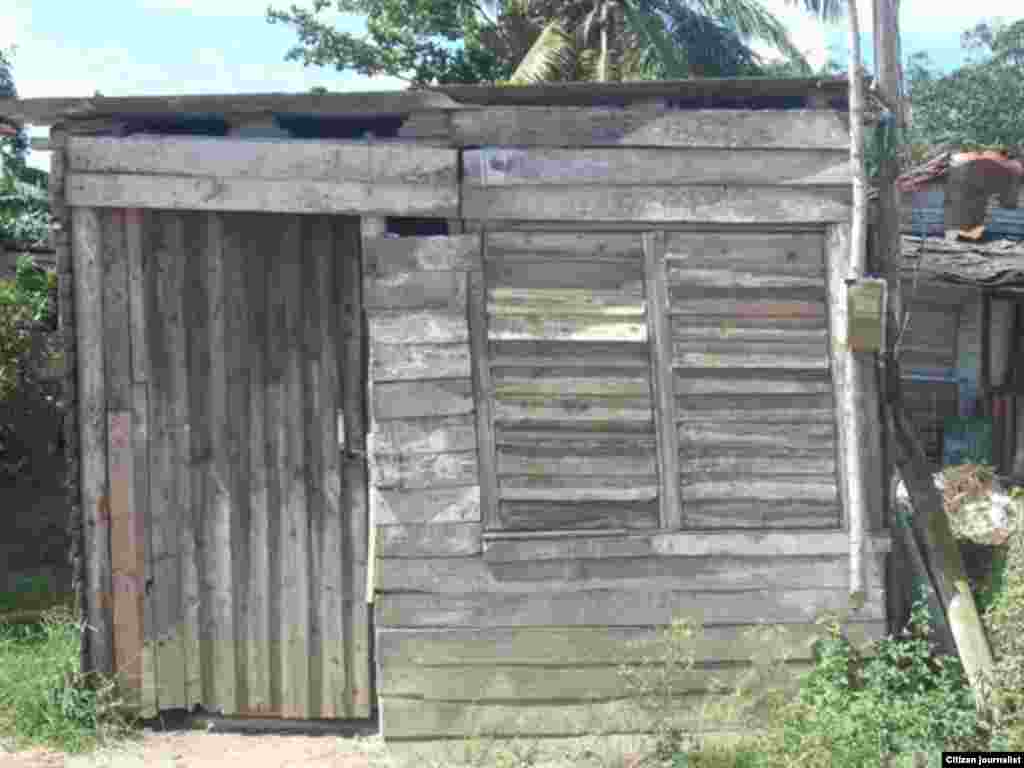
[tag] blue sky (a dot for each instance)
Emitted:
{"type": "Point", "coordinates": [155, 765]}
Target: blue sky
{"type": "Point", "coordinates": [226, 46]}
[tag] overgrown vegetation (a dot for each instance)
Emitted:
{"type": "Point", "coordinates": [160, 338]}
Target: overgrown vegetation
{"type": "Point", "coordinates": [29, 415]}
{"type": "Point", "coordinates": [1004, 620]}
{"type": "Point", "coordinates": [44, 699]}
{"type": "Point", "coordinates": [979, 104]}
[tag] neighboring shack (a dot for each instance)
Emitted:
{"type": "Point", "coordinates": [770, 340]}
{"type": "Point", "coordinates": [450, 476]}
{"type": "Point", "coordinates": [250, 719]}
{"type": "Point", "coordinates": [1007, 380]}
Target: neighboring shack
{"type": "Point", "coordinates": [598, 396]}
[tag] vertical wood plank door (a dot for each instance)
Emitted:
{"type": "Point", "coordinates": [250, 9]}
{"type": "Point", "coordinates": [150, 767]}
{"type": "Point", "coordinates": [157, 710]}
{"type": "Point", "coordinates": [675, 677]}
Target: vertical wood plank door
{"type": "Point", "coordinates": [237, 534]}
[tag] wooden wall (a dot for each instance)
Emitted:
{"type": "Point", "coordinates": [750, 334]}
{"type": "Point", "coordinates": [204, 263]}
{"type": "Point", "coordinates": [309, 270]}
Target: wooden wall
{"type": "Point", "coordinates": [230, 393]}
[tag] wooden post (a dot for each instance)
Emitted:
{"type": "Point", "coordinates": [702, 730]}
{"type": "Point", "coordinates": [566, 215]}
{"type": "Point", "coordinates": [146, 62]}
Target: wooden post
{"type": "Point", "coordinates": [93, 441]}
{"type": "Point", "coordinates": [985, 355]}
{"type": "Point", "coordinates": [661, 380]}
{"type": "Point", "coordinates": [61, 238]}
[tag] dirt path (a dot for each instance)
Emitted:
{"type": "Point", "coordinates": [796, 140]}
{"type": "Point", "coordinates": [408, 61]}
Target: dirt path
{"type": "Point", "coordinates": [197, 749]}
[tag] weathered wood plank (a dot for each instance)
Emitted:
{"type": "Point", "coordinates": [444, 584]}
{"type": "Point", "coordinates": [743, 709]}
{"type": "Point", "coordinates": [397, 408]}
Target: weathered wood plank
{"type": "Point", "coordinates": [425, 435]}
{"type": "Point", "coordinates": [349, 233]}
{"type": "Point", "coordinates": [757, 333]}
{"type": "Point", "coordinates": [734, 464]}
{"type": "Point", "coordinates": [126, 547]}
{"type": "Point", "coordinates": [597, 126]}
{"type": "Point", "coordinates": [399, 255]}
{"type": "Point", "coordinates": [88, 269]}
{"type": "Point", "coordinates": [548, 515]}
{"type": "Point", "coordinates": [563, 281]}
{"type": "Point", "coordinates": [416, 290]}
{"type": "Point", "coordinates": [766, 489]}
{"type": "Point", "coordinates": [329, 674]}
{"type": "Point", "coordinates": [169, 451]}
{"type": "Point", "coordinates": [442, 505]}
{"type": "Point", "coordinates": [117, 352]}
{"type": "Point", "coordinates": [753, 308]}
{"type": "Point", "coordinates": [533, 460]}
{"type": "Point", "coordinates": [633, 387]}
{"type": "Point", "coordinates": [409, 362]}
{"type": "Point", "coordinates": [591, 492]}
{"type": "Point", "coordinates": [400, 327]}
{"type": "Point", "coordinates": [697, 436]}
{"type": "Point", "coordinates": [671, 512]}
{"type": "Point", "coordinates": [413, 399]}
{"type": "Point", "coordinates": [762, 514]}
{"type": "Point", "coordinates": [213, 193]}
{"type": "Point", "coordinates": [523, 683]}
{"type": "Point", "coordinates": [707, 204]}
{"type": "Point", "coordinates": [773, 409]}
{"type": "Point", "coordinates": [237, 305]}
{"type": "Point", "coordinates": [566, 358]}
{"type": "Point", "coordinates": [684, 355]}
{"type": "Point", "coordinates": [139, 301]}
{"type": "Point", "coordinates": [689, 544]}
{"type": "Point", "coordinates": [466, 647]}
{"type": "Point", "coordinates": [712, 574]}
{"type": "Point", "coordinates": [388, 163]}
{"type": "Point", "coordinates": [431, 540]}
{"type": "Point", "coordinates": [790, 253]}
{"type": "Point", "coordinates": [512, 166]}
{"type": "Point", "coordinates": [575, 414]}
{"type": "Point", "coordinates": [579, 328]}
{"type": "Point", "coordinates": [259, 581]}
{"type": "Point", "coordinates": [295, 543]}
{"type": "Point", "coordinates": [220, 687]}
{"type": "Point", "coordinates": [617, 608]}
{"type": "Point", "coordinates": [424, 470]}
{"type": "Point", "coordinates": [607, 248]}
{"type": "Point", "coordinates": [281, 242]}
{"type": "Point", "coordinates": [187, 232]}
{"type": "Point", "coordinates": [687, 383]}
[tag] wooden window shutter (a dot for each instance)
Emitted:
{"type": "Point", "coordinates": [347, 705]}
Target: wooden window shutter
{"type": "Point", "coordinates": [566, 357]}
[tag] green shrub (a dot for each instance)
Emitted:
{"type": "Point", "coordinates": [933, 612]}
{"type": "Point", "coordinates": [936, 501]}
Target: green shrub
{"type": "Point", "coordinates": [893, 697]}
{"type": "Point", "coordinates": [1004, 621]}
{"type": "Point", "coordinates": [44, 698]}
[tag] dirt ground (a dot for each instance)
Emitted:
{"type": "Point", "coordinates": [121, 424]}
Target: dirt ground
{"type": "Point", "coordinates": [199, 749]}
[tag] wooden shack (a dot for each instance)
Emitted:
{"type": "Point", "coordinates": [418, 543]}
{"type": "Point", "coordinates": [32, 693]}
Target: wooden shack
{"type": "Point", "coordinates": [536, 370]}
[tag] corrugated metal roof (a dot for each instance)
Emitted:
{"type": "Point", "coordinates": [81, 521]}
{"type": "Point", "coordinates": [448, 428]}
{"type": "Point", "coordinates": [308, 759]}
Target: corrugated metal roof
{"type": "Point", "coordinates": [994, 264]}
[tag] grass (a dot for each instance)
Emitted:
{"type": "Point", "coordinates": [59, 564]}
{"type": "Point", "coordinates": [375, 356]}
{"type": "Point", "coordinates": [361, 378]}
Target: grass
{"type": "Point", "coordinates": [44, 699]}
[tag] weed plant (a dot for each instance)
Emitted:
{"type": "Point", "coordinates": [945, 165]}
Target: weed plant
{"type": "Point", "coordinates": [44, 699]}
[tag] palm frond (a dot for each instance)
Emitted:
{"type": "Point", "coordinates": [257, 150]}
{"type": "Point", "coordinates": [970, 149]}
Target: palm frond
{"type": "Point", "coordinates": [650, 28]}
{"type": "Point", "coordinates": [751, 20]}
{"type": "Point", "coordinates": [551, 57]}
{"type": "Point", "coordinates": [829, 10]}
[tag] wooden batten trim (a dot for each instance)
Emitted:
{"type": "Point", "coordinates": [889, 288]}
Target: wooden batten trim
{"type": "Point", "coordinates": [212, 193]}
{"type": "Point", "coordinates": [95, 493]}
{"type": "Point", "coordinates": [662, 380]}
{"type": "Point", "coordinates": [483, 393]}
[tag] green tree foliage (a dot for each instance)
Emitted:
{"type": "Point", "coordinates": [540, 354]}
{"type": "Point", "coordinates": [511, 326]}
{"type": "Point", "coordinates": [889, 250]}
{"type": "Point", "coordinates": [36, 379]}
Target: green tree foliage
{"type": "Point", "coordinates": [653, 39]}
{"type": "Point", "coordinates": [979, 104]}
{"type": "Point", "coordinates": [484, 41]}
{"type": "Point", "coordinates": [24, 203]}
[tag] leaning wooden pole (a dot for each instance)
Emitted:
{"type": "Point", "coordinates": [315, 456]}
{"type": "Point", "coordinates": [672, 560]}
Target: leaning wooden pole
{"type": "Point", "coordinates": [849, 401]}
{"type": "Point", "coordinates": [930, 524]}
